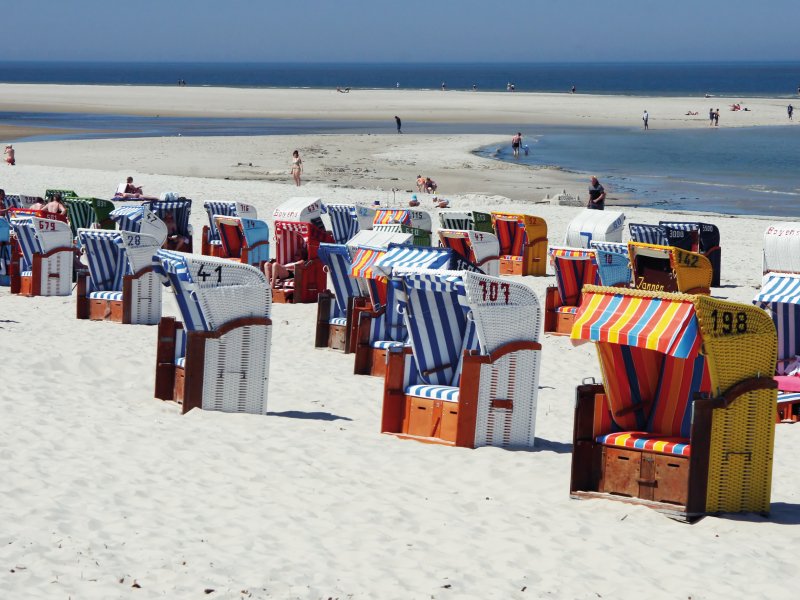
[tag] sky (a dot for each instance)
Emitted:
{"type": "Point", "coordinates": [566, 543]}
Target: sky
{"type": "Point", "coordinates": [401, 31]}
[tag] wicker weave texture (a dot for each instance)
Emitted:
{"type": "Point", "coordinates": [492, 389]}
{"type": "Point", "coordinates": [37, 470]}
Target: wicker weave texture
{"type": "Point", "coordinates": [237, 370]}
{"type": "Point", "coordinates": [740, 342]}
{"type": "Point", "coordinates": [56, 274]}
{"type": "Point", "coordinates": [146, 300]}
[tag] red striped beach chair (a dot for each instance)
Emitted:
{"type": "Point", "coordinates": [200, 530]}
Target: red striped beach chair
{"type": "Point", "coordinates": [469, 376]}
{"type": "Point", "coordinates": [683, 421]}
{"type": "Point", "coordinates": [523, 243]}
{"type": "Point", "coordinates": [573, 268]}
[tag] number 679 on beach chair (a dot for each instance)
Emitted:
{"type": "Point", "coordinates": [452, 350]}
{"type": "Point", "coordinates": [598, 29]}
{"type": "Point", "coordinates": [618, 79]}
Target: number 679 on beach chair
{"type": "Point", "coordinates": [217, 357]}
{"type": "Point", "coordinates": [470, 376]}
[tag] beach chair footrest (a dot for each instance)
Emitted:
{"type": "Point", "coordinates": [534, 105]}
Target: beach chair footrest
{"type": "Point", "coordinates": [646, 475]}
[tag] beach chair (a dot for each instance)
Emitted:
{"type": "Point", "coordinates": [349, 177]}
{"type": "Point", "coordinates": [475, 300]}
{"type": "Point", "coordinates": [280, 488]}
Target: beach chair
{"type": "Point", "coordinates": [49, 194]}
{"type": "Point", "coordinates": [299, 231]}
{"type": "Point", "coordinates": [573, 268]}
{"type": "Point", "coordinates": [87, 213]}
{"type": "Point", "coordinates": [210, 244]}
{"type": "Point", "coordinates": [472, 250]}
{"type": "Point", "coordinates": [217, 357]}
{"type": "Point", "coordinates": [707, 244]}
{"type": "Point", "coordinates": [523, 243]}
{"type": "Point", "coordinates": [382, 327]}
{"type": "Point", "coordinates": [120, 285]}
{"type": "Point", "coordinates": [181, 209]}
{"type": "Point", "coordinates": [648, 234]}
{"type": "Point", "coordinates": [42, 259]}
{"type": "Point", "coordinates": [5, 252]}
{"type": "Point", "coordinates": [780, 296]}
{"type": "Point", "coordinates": [669, 269]}
{"type": "Point", "coordinates": [20, 201]}
{"type": "Point", "coordinates": [243, 239]}
{"type": "Point", "coordinates": [782, 248]}
{"type": "Point", "coordinates": [138, 218]}
{"type": "Point", "coordinates": [413, 221]}
{"type": "Point", "coordinates": [594, 225]}
{"type": "Point", "coordinates": [470, 375]}
{"type": "Point", "coordinates": [466, 220]}
{"type": "Point", "coordinates": [335, 304]}
{"type": "Point", "coordinates": [346, 220]}
{"type": "Point", "coordinates": [613, 263]}
{"type": "Point", "coordinates": [21, 213]}
{"type": "Point", "coordinates": [683, 421]}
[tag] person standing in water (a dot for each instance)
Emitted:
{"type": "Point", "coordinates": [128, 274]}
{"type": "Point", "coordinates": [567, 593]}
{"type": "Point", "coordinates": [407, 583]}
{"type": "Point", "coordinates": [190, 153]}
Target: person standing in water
{"type": "Point", "coordinates": [516, 142]}
{"type": "Point", "coordinates": [645, 118]}
{"type": "Point", "coordinates": [297, 167]}
{"type": "Point", "coordinates": [399, 123]}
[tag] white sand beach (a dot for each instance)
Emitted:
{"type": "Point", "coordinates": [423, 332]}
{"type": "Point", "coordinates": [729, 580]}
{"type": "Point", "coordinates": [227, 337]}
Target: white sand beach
{"type": "Point", "coordinates": [109, 493]}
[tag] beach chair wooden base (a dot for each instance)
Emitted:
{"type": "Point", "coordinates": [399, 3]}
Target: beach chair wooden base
{"type": "Point", "coordinates": [336, 337]}
{"type": "Point", "coordinates": [675, 485]}
{"type": "Point", "coordinates": [140, 303]}
{"type": "Point", "coordinates": [209, 249]}
{"type": "Point", "coordinates": [282, 295]}
{"type": "Point", "coordinates": [788, 409]}
{"type": "Point", "coordinates": [51, 275]}
{"type": "Point", "coordinates": [511, 266]}
{"type": "Point", "coordinates": [556, 322]}
{"type": "Point", "coordinates": [235, 387]}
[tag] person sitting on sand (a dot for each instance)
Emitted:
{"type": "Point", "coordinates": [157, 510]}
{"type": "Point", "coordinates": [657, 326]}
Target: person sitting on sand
{"type": "Point", "coordinates": [691, 113]}
{"type": "Point", "coordinates": [55, 205]}
{"type": "Point", "coordinates": [440, 202]}
{"type": "Point", "coordinates": [430, 185]}
{"type": "Point", "coordinates": [413, 201]}
{"type": "Point", "coordinates": [277, 273]}
{"type": "Point", "coordinates": [130, 188]}
{"type": "Point", "coordinates": [175, 241]}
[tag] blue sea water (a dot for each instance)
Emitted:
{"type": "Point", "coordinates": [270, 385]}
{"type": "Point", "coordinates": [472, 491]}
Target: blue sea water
{"type": "Point", "coordinates": [774, 79]}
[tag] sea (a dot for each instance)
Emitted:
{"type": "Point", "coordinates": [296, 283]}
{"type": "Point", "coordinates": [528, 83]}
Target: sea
{"type": "Point", "coordinates": [736, 171]}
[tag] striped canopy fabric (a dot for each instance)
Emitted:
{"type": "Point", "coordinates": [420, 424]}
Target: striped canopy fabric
{"type": "Point", "coordinates": [336, 258]}
{"type": "Point", "coordinates": [452, 219]}
{"type": "Point", "coordinates": [26, 237]}
{"type": "Point", "coordinates": [648, 234]}
{"type": "Point", "coordinates": [411, 257]}
{"type": "Point", "coordinates": [666, 325]}
{"type": "Point", "coordinates": [107, 259]}
{"type": "Point", "coordinates": [180, 208]}
{"type": "Point", "coordinates": [128, 216]}
{"type": "Point", "coordinates": [221, 208]}
{"type": "Point", "coordinates": [80, 212]}
{"type": "Point", "coordinates": [573, 268]}
{"type": "Point", "coordinates": [780, 293]}
{"type": "Point", "coordinates": [613, 263]}
{"type": "Point", "coordinates": [344, 221]}
{"type": "Point", "coordinates": [387, 216]}
{"type": "Point", "coordinates": [511, 234]}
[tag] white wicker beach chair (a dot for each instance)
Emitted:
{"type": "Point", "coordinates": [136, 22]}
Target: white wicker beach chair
{"type": "Point", "coordinates": [594, 225]}
{"type": "Point", "coordinates": [43, 264]}
{"type": "Point", "coordinates": [121, 285]}
{"type": "Point", "coordinates": [470, 376]}
{"type": "Point", "coordinates": [782, 248]}
{"type": "Point", "coordinates": [217, 358]}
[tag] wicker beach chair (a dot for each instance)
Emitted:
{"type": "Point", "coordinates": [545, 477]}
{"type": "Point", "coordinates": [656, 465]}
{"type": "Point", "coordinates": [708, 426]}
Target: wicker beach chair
{"type": "Point", "coordinates": [50, 194]}
{"type": "Point", "coordinates": [613, 263]}
{"type": "Point", "coordinates": [669, 269]}
{"type": "Point", "coordinates": [707, 241]}
{"type": "Point", "coordinates": [335, 305]}
{"type": "Point", "coordinates": [243, 239]}
{"type": "Point", "coordinates": [180, 209]}
{"type": "Point", "coordinates": [466, 220]}
{"type": "Point", "coordinates": [120, 285]}
{"type": "Point", "coordinates": [42, 257]}
{"type": "Point", "coordinates": [470, 375]}
{"type": "Point", "coordinates": [217, 357]}
{"type": "Point", "coordinates": [684, 419]}
{"type": "Point", "coordinates": [210, 244]}
{"type": "Point", "coordinates": [346, 220]}
{"type": "Point", "coordinates": [5, 252]}
{"type": "Point", "coordinates": [472, 250]}
{"type": "Point", "coordinates": [20, 201]}
{"type": "Point", "coordinates": [382, 327]}
{"type": "Point", "coordinates": [594, 225]}
{"type": "Point", "coordinates": [780, 296]}
{"type": "Point", "coordinates": [138, 218]}
{"type": "Point", "coordinates": [523, 243]}
{"type": "Point", "coordinates": [299, 231]}
{"type": "Point", "coordinates": [782, 248]}
{"type": "Point", "coordinates": [573, 268]}
{"type": "Point", "coordinates": [21, 213]}
{"type": "Point", "coordinates": [413, 221]}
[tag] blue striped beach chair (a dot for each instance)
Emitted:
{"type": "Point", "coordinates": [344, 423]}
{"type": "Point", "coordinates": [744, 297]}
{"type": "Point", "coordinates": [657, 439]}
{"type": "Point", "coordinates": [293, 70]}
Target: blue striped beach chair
{"type": "Point", "coordinates": [594, 225]}
{"type": "Point", "coordinates": [648, 234]}
{"type": "Point", "coordinates": [121, 285]}
{"type": "Point", "coordinates": [217, 357]}
{"type": "Point", "coordinates": [138, 218]}
{"type": "Point", "coordinates": [5, 251]}
{"type": "Point", "coordinates": [42, 262]}
{"type": "Point", "coordinates": [243, 239]}
{"type": "Point", "coordinates": [210, 242]}
{"type": "Point", "coordinates": [343, 220]}
{"type": "Point", "coordinates": [335, 305]}
{"type": "Point", "coordinates": [613, 263]}
{"type": "Point", "coordinates": [383, 327]}
{"type": "Point", "coordinates": [469, 376]}
{"type": "Point", "coordinates": [180, 209]}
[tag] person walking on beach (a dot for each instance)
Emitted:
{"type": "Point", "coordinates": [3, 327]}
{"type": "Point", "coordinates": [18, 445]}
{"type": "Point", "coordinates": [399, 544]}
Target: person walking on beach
{"type": "Point", "coordinates": [597, 195]}
{"type": "Point", "coordinates": [399, 123]}
{"type": "Point", "coordinates": [645, 118]}
{"type": "Point", "coordinates": [710, 117]}
{"type": "Point", "coordinates": [789, 111]}
{"type": "Point", "coordinates": [716, 118]}
{"type": "Point", "coordinates": [9, 154]}
{"type": "Point", "coordinates": [516, 142]}
{"type": "Point", "coordinates": [297, 167]}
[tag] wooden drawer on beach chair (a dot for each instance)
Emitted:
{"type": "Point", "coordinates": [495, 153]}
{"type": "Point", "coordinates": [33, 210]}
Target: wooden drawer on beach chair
{"type": "Point", "coordinates": [558, 319]}
{"type": "Point", "coordinates": [429, 418]}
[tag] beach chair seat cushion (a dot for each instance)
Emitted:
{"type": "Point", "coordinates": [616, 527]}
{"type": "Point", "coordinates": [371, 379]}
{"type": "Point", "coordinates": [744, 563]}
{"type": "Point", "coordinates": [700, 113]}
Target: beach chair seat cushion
{"type": "Point", "coordinates": [570, 310]}
{"type": "Point", "coordinates": [788, 397]}
{"type": "Point", "coordinates": [641, 440]}
{"type": "Point", "coordinates": [338, 321]}
{"type": "Point", "coordinates": [434, 392]}
{"type": "Point", "coordinates": [512, 257]}
{"type": "Point", "coordinates": [115, 296]}
{"type": "Point", "coordinates": [27, 274]}
{"type": "Point", "coordinates": [180, 362]}
{"type": "Point", "coordinates": [385, 344]}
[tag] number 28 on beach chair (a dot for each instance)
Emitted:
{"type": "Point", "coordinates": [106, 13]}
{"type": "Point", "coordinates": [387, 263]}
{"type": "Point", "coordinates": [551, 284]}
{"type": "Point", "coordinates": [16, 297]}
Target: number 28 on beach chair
{"type": "Point", "coordinates": [470, 375]}
{"type": "Point", "coordinates": [43, 256]}
{"type": "Point", "coordinates": [684, 419]}
{"type": "Point", "coordinates": [217, 357]}
{"type": "Point", "coordinates": [523, 244]}
{"type": "Point", "coordinates": [210, 244]}
{"type": "Point", "coordinates": [138, 218]}
{"type": "Point", "coordinates": [121, 285]}
{"type": "Point", "coordinates": [472, 250]}
{"type": "Point", "coordinates": [573, 267]}
{"type": "Point", "coordinates": [669, 269]}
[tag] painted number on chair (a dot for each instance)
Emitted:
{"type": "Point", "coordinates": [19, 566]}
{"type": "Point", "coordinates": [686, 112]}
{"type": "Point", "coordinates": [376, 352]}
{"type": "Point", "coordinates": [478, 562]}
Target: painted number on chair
{"type": "Point", "coordinates": [204, 275]}
{"type": "Point", "coordinates": [728, 322]}
{"type": "Point", "coordinates": [490, 291]}
{"type": "Point", "coordinates": [150, 217]}
{"type": "Point", "coordinates": [47, 226]}
{"type": "Point", "coordinates": [686, 259]}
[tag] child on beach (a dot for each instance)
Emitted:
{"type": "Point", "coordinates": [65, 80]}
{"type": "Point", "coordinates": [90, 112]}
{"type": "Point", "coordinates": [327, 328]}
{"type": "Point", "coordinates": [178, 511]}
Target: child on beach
{"type": "Point", "coordinates": [9, 154]}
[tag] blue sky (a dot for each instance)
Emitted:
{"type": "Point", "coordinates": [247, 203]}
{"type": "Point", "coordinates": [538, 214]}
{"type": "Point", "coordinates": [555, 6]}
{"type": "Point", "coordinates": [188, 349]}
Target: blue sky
{"type": "Point", "coordinates": [404, 31]}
